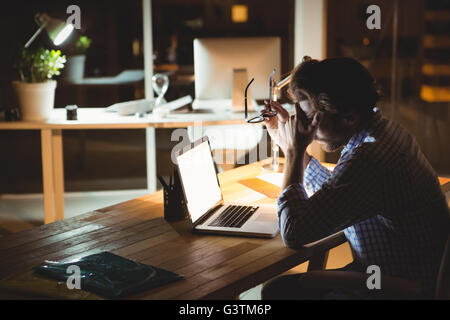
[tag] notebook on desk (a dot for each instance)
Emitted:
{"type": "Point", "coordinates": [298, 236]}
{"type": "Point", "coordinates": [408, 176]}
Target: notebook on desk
{"type": "Point", "coordinates": [207, 211]}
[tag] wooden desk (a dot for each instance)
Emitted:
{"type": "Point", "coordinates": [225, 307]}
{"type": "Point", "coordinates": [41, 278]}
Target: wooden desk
{"type": "Point", "coordinates": [215, 267]}
{"type": "Point", "coordinates": [445, 184]}
{"type": "Point", "coordinates": [97, 118]}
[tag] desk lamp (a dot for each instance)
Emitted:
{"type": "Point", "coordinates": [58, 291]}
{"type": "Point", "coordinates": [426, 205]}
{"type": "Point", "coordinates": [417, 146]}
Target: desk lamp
{"type": "Point", "coordinates": [275, 164]}
{"type": "Point", "coordinates": [57, 30]}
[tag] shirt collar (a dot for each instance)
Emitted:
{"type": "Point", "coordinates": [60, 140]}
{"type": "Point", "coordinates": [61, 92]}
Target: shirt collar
{"type": "Point", "coordinates": [364, 135]}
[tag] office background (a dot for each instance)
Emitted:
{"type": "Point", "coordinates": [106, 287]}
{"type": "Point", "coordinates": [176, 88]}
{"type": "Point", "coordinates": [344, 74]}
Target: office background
{"type": "Point", "coordinates": [417, 30]}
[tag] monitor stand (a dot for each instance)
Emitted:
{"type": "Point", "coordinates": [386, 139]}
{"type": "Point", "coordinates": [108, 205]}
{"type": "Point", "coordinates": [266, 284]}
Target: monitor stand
{"type": "Point", "coordinates": [236, 104]}
{"type": "Point", "coordinates": [240, 81]}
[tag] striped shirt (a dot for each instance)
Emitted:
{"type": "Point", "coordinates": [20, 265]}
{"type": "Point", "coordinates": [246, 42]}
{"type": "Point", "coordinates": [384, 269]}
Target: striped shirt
{"type": "Point", "coordinates": [385, 196]}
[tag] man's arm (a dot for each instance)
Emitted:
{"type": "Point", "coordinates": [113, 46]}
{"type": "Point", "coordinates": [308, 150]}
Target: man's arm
{"type": "Point", "coordinates": [293, 168]}
{"type": "Point", "coordinates": [351, 194]}
{"type": "Point", "coordinates": [315, 174]}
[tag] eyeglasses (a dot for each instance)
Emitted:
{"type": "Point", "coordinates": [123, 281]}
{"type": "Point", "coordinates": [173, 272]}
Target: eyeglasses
{"type": "Point", "coordinates": [268, 113]}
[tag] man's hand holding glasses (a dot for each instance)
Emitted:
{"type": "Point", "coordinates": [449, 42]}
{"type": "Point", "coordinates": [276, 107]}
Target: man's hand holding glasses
{"type": "Point", "coordinates": [267, 112]}
{"type": "Point", "coordinates": [292, 132]}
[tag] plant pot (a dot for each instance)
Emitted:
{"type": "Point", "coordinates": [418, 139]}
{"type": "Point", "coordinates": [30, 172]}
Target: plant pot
{"type": "Point", "coordinates": [74, 68]}
{"type": "Point", "coordinates": [36, 100]}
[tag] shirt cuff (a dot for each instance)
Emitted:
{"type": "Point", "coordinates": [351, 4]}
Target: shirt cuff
{"type": "Point", "coordinates": [291, 195]}
{"type": "Point", "coordinates": [315, 175]}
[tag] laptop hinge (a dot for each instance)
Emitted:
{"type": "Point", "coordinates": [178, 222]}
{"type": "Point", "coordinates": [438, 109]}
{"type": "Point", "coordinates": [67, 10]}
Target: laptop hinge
{"type": "Point", "coordinates": [208, 214]}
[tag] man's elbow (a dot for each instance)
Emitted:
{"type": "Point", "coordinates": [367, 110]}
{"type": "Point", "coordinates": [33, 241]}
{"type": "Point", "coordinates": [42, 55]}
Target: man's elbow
{"type": "Point", "coordinates": [298, 241]}
{"type": "Point", "coordinates": [290, 243]}
{"type": "Point", "coordinates": [293, 239]}
{"type": "Point", "coordinates": [296, 232]}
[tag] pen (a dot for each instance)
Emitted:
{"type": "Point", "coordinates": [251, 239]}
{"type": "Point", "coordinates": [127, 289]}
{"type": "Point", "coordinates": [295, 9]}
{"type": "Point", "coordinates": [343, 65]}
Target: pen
{"type": "Point", "coordinates": [164, 184]}
{"type": "Point", "coordinates": [176, 179]}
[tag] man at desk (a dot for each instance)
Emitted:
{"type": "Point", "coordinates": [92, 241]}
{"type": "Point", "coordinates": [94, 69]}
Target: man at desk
{"type": "Point", "coordinates": [383, 192]}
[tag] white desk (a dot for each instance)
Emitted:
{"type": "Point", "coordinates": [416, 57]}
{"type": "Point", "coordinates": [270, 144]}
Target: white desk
{"type": "Point", "coordinates": [97, 118]}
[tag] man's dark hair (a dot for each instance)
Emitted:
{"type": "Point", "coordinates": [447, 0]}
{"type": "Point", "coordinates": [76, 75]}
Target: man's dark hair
{"type": "Point", "coordinates": [335, 85]}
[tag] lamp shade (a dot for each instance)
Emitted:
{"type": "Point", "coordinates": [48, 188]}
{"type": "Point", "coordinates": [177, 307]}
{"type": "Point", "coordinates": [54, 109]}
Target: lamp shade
{"type": "Point", "coordinates": [57, 30]}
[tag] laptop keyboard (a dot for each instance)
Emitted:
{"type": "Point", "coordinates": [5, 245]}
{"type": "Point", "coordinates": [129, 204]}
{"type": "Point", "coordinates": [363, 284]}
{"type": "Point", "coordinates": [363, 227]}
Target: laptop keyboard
{"type": "Point", "coordinates": [233, 216]}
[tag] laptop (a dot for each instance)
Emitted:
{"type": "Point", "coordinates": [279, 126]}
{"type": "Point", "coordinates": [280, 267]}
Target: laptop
{"type": "Point", "coordinates": [208, 212]}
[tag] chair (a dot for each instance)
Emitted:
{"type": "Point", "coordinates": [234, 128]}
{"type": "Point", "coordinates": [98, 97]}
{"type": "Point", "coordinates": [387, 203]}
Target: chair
{"type": "Point", "coordinates": [316, 277]}
{"type": "Point", "coordinates": [443, 280]}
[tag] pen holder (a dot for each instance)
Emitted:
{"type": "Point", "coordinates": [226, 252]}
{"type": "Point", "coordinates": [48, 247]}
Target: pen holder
{"type": "Point", "coordinates": [174, 205]}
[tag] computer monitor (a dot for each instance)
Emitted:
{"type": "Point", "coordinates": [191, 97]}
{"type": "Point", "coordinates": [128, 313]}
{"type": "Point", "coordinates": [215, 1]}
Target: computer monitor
{"type": "Point", "coordinates": [215, 59]}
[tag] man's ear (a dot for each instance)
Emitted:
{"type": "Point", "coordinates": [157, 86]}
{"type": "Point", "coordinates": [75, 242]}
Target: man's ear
{"type": "Point", "coordinates": [351, 119]}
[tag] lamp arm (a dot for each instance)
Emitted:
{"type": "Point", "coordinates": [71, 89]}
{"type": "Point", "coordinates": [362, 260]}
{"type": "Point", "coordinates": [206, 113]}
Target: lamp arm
{"type": "Point", "coordinates": [41, 20]}
{"type": "Point", "coordinates": [280, 85]}
{"type": "Point", "coordinates": [29, 42]}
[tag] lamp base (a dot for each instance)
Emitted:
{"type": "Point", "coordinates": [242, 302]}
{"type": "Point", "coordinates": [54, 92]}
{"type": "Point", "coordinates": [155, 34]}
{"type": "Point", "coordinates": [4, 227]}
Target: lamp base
{"type": "Point", "coordinates": [272, 168]}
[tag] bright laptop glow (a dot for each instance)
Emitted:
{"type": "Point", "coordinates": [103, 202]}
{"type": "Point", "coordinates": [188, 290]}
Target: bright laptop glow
{"type": "Point", "coordinates": [207, 211]}
{"type": "Point", "coordinates": [199, 180]}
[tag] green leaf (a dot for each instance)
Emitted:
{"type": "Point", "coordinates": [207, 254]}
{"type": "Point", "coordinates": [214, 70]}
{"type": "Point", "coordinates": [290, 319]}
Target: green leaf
{"type": "Point", "coordinates": [39, 65]}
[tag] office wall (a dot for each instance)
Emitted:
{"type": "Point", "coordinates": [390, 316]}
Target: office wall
{"type": "Point", "coordinates": [94, 160]}
{"type": "Point", "coordinates": [421, 43]}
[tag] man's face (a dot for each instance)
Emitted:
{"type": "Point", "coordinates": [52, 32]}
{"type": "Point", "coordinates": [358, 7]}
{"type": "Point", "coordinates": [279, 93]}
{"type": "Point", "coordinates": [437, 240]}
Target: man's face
{"type": "Point", "coordinates": [331, 134]}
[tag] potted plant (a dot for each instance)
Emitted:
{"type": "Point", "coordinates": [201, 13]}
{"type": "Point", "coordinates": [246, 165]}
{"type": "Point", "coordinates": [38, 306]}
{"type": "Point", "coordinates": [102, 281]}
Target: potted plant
{"type": "Point", "coordinates": [36, 88]}
{"type": "Point", "coordinates": [74, 70]}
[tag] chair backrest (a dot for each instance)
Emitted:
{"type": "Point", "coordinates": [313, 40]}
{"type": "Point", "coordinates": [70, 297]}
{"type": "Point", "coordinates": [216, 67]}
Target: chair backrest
{"type": "Point", "coordinates": [443, 280]}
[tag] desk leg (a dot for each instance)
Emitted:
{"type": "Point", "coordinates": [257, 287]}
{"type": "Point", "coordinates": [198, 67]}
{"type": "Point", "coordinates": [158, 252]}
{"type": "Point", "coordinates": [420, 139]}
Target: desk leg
{"type": "Point", "coordinates": [151, 158]}
{"type": "Point", "coordinates": [47, 175]}
{"type": "Point", "coordinates": [58, 173]}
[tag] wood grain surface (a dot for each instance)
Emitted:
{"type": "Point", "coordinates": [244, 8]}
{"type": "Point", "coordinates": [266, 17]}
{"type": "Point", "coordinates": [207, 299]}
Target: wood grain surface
{"type": "Point", "coordinates": [214, 267]}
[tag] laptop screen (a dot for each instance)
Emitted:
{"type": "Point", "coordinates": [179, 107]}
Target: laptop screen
{"type": "Point", "coordinates": [198, 175]}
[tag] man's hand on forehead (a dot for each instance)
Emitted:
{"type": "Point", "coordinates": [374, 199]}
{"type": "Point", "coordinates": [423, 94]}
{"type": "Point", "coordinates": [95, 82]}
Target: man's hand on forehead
{"type": "Point", "coordinates": [308, 110]}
